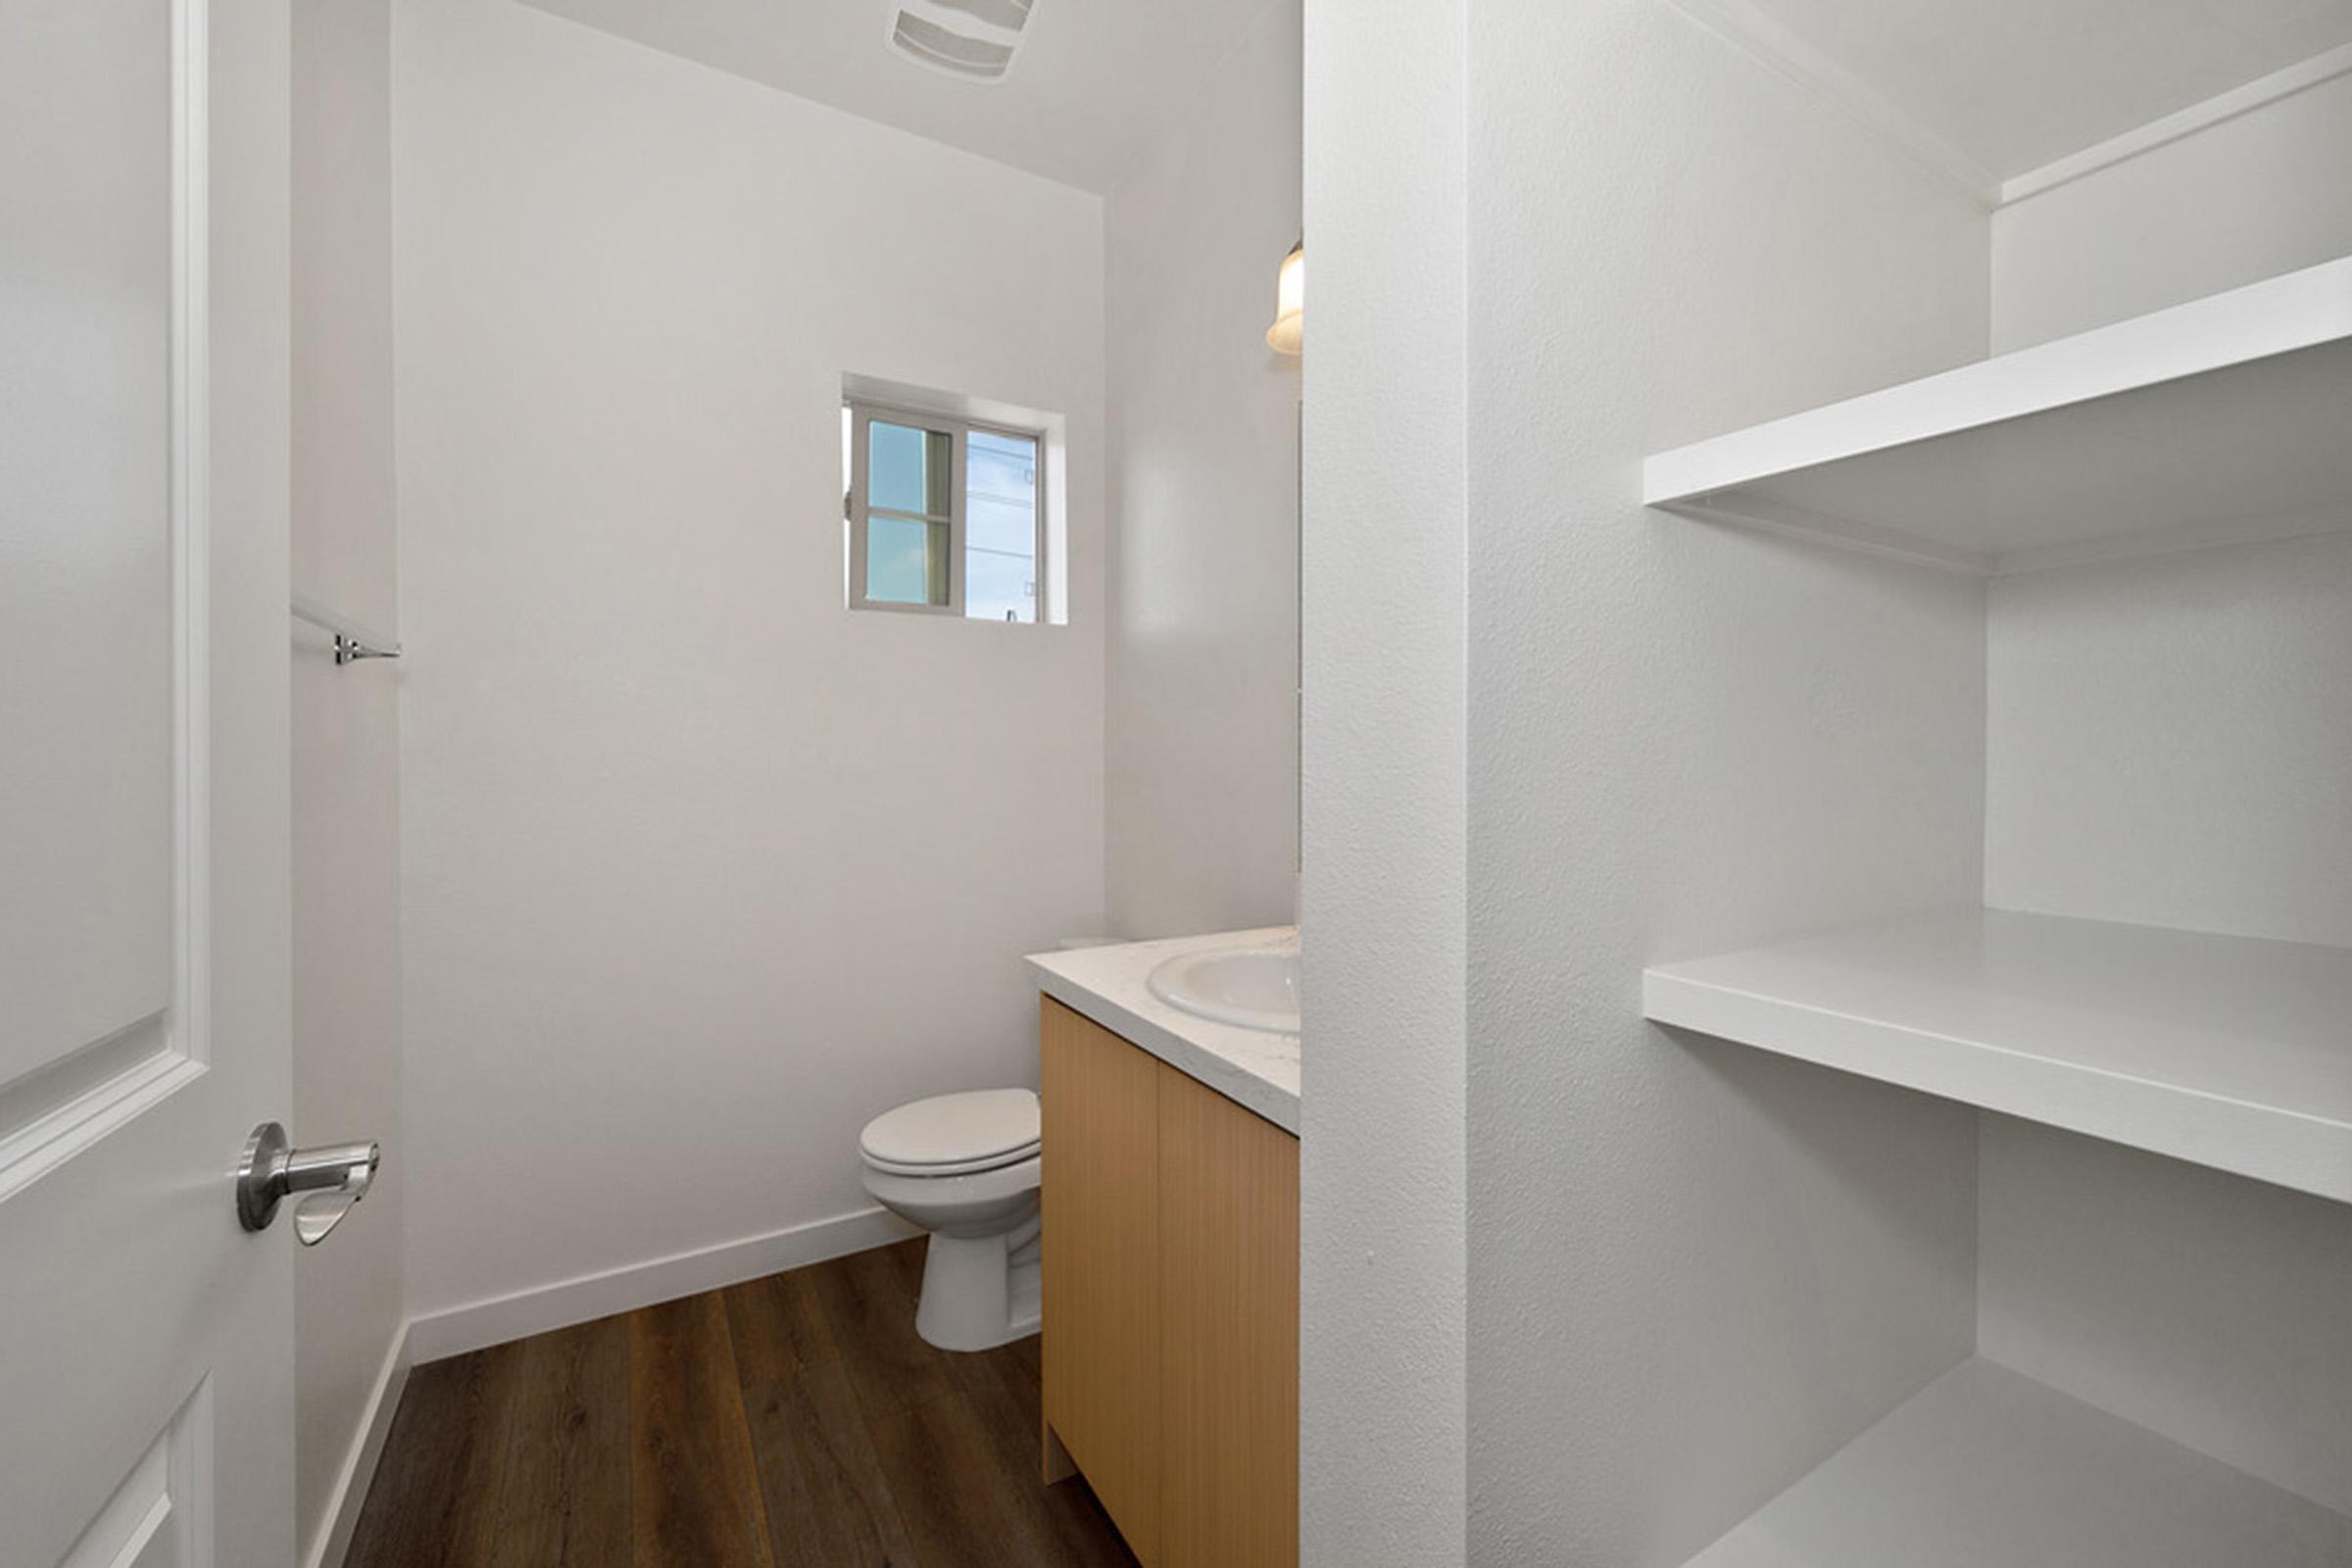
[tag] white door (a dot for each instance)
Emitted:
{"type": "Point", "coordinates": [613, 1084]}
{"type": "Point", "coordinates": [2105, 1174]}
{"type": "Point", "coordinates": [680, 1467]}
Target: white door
{"type": "Point", "coordinates": [145, 1355]}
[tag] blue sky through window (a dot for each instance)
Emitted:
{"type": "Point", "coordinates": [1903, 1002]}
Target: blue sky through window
{"type": "Point", "coordinates": [999, 527]}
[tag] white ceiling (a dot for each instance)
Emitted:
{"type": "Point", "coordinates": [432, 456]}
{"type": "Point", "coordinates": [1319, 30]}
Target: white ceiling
{"type": "Point", "coordinates": [2005, 85]}
{"type": "Point", "coordinates": [1091, 80]}
{"type": "Point", "coordinates": [2014, 84]}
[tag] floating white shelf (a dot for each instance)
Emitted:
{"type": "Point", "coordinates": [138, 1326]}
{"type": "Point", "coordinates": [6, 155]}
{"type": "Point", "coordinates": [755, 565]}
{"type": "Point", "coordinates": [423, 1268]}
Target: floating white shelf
{"type": "Point", "coordinates": [1986, 1468]}
{"type": "Point", "coordinates": [2225, 1050]}
{"type": "Point", "coordinates": [2223, 419]}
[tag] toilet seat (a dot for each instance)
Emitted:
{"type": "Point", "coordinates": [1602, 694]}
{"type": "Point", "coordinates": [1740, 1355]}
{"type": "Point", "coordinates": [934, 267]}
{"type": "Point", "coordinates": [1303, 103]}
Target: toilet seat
{"type": "Point", "coordinates": [953, 1135]}
{"type": "Point", "coordinates": [965, 1168]}
{"type": "Point", "coordinates": [931, 1193]}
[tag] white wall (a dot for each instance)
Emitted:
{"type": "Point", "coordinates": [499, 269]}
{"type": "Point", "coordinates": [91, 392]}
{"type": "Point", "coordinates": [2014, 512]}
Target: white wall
{"type": "Point", "coordinates": [1694, 1270]}
{"type": "Point", "coordinates": [1383, 1427]}
{"type": "Point", "coordinates": [2247, 199]}
{"type": "Point", "coordinates": [703, 870]}
{"type": "Point", "coordinates": [348, 1299]}
{"type": "Point", "coordinates": [2169, 744]}
{"type": "Point", "coordinates": [1202, 766]}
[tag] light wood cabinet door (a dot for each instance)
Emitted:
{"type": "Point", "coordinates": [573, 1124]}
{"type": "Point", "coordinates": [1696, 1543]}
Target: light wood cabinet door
{"type": "Point", "coordinates": [1229, 1332]}
{"type": "Point", "coordinates": [1102, 1190]}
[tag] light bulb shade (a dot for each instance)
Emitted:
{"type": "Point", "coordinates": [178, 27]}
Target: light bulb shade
{"type": "Point", "coordinates": [1289, 330]}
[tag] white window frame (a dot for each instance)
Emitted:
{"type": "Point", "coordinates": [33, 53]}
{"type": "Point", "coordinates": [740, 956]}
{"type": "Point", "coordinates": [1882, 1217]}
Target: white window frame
{"type": "Point", "coordinates": [863, 412]}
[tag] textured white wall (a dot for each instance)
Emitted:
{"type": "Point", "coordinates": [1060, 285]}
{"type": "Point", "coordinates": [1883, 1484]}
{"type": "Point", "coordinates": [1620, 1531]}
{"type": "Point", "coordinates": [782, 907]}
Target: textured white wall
{"type": "Point", "coordinates": [1201, 723]}
{"type": "Point", "coordinates": [1694, 1270]}
{"type": "Point", "coordinates": [2247, 199]}
{"type": "Point", "coordinates": [2168, 742]}
{"type": "Point", "coordinates": [348, 1299]}
{"type": "Point", "coordinates": [703, 870]}
{"type": "Point", "coordinates": [1382, 882]}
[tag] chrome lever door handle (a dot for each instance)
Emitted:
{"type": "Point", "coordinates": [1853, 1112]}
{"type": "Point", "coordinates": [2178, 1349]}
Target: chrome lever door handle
{"type": "Point", "coordinates": [338, 1174]}
{"type": "Point", "coordinates": [313, 1217]}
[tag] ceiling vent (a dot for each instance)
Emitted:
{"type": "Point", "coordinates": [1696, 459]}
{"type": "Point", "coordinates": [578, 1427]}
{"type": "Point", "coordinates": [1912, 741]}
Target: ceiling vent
{"type": "Point", "coordinates": [974, 39]}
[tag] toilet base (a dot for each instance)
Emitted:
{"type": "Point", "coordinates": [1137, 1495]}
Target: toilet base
{"type": "Point", "coordinates": [980, 1292]}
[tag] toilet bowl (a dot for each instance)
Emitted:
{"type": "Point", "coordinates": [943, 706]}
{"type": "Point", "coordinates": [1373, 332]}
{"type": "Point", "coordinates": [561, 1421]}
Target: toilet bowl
{"type": "Point", "coordinates": [964, 1168]}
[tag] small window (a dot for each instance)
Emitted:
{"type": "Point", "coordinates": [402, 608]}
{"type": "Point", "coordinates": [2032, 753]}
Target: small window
{"type": "Point", "coordinates": [945, 515]}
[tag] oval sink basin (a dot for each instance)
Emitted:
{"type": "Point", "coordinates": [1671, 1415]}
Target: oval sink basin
{"type": "Point", "coordinates": [1251, 988]}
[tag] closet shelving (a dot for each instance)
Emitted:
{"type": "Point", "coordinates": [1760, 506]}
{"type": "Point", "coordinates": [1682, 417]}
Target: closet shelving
{"type": "Point", "coordinates": [1987, 1468]}
{"type": "Point", "coordinates": [2224, 420]}
{"type": "Point", "coordinates": [2224, 1050]}
{"type": "Point", "coordinates": [2218, 419]}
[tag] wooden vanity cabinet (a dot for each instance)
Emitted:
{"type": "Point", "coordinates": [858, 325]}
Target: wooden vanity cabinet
{"type": "Point", "coordinates": [1100, 1148]}
{"type": "Point", "coordinates": [1228, 1332]}
{"type": "Point", "coordinates": [1171, 1303]}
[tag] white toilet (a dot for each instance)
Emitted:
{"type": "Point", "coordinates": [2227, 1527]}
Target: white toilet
{"type": "Point", "coordinates": [964, 1168]}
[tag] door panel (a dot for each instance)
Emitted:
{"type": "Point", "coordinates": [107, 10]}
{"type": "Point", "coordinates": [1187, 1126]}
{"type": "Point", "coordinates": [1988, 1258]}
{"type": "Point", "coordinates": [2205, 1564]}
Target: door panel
{"type": "Point", "coordinates": [1229, 1264]}
{"type": "Point", "coordinates": [86, 784]}
{"type": "Point", "coordinates": [1100, 1182]}
{"type": "Point", "coordinates": [143, 762]}
{"type": "Point", "coordinates": [151, 1521]}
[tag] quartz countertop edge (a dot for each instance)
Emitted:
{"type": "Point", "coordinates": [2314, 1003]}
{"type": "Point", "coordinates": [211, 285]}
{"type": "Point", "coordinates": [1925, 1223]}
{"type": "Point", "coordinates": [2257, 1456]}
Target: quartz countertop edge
{"type": "Point", "coordinates": [1256, 1069]}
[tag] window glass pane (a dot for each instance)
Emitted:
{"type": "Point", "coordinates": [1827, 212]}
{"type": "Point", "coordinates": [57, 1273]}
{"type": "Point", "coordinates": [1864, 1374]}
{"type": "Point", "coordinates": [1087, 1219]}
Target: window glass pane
{"type": "Point", "coordinates": [1003, 527]}
{"type": "Point", "coordinates": [1002, 468]}
{"type": "Point", "coordinates": [906, 561]}
{"type": "Point", "coordinates": [908, 469]}
{"type": "Point", "coordinates": [998, 587]}
{"type": "Point", "coordinates": [999, 527]}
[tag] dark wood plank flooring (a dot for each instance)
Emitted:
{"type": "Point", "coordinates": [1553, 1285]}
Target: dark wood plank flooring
{"type": "Point", "coordinates": [792, 1421]}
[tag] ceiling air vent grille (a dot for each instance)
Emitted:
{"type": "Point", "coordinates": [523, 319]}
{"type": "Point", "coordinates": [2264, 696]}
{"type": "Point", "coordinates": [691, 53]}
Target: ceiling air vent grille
{"type": "Point", "coordinates": [973, 40]}
{"type": "Point", "coordinates": [1009, 16]}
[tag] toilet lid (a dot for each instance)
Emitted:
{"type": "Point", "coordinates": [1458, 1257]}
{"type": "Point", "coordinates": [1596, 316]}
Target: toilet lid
{"type": "Point", "coordinates": [954, 1134]}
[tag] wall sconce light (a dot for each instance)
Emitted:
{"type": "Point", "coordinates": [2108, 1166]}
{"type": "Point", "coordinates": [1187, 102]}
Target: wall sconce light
{"type": "Point", "coordinates": [1289, 330]}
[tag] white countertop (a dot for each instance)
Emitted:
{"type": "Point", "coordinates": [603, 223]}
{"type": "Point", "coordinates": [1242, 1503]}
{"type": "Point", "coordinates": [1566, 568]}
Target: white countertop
{"type": "Point", "coordinates": [1251, 1067]}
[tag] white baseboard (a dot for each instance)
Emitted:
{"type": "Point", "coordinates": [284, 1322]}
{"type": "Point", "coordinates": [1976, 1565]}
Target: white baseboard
{"type": "Point", "coordinates": [521, 1313]}
{"type": "Point", "coordinates": [358, 1465]}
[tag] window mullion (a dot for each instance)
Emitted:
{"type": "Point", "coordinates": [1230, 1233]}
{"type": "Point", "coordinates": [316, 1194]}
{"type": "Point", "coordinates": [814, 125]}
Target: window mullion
{"type": "Point", "coordinates": [1037, 530]}
{"type": "Point", "coordinates": [860, 440]}
{"type": "Point", "coordinates": [955, 519]}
